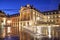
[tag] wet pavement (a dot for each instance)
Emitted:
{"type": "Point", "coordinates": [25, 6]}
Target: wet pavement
{"type": "Point", "coordinates": [1, 38]}
{"type": "Point", "coordinates": [10, 38]}
{"type": "Point", "coordinates": [17, 38]}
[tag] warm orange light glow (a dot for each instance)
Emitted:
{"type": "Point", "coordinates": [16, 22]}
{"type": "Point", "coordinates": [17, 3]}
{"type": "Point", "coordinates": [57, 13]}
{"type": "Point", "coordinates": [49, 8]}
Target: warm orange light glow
{"type": "Point", "coordinates": [38, 18]}
{"type": "Point", "coordinates": [4, 21]}
{"type": "Point", "coordinates": [8, 29]}
{"type": "Point", "coordinates": [49, 30]}
{"type": "Point", "coordinates": [9, 21]}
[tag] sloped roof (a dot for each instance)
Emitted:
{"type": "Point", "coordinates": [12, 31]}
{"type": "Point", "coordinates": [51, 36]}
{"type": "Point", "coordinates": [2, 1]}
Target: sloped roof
{"type": "Point", "coordinates": [32, 7]}
{"type": "Point", "coordinates": [1, 12]}
{"type": "Point", "coordinates": [13, 15]}
{"type": "Point", "coordinates": [46, 12]}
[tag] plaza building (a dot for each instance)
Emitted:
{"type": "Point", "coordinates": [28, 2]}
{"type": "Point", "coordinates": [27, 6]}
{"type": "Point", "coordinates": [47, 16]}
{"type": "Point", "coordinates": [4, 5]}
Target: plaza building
{"type": "Point", "coordinates": [30, 18]}
{"type": "Point", "coordinates": [31, 23]}
{"type": "Point", "coordinates": [14, 24]}
{"type": "Point", "coordinates": [53, 17]}
{"type": "Point", "coordinates": [39, 24]}
{"type": "Point", "coordinates": [2, 23]}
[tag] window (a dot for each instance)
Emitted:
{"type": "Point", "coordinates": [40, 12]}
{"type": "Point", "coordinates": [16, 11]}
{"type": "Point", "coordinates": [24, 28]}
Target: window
{"type": "Point", "coordinates": [33, 12]}
{"type": "Point", "coordinates": [38, 18]}
{"type": "Point", "coordinates": [24, 24]}
{"type": "Point", "coordinates": [55, 12]}
{"type": "Point", "coordinates": [59, 16]}
{"type": "Point", "coordinates": [45, 13]}
{"type": "Point", "coordinates": [51, 12]}
{"type": "Point", "coordinates": [36, 14]}
{"type": "Point", "coordinates": [20, 24]}
{"type": "Point", "coordinates": [48, 20]}
{"type": "Point", "coordinates": [48, 13]}
{"type": "Point", "coordinates": [57, 20]}
{"type": "Point", "coordinates": [55, 16]}
{"type": "Point", "coordinates": [51, 20]}
{"type": "Point", "coordinates": [51, 16]}
{"type": "Point", "coordinates": [48, 17]}
{"type": "Point", "coordinates": [28, 23]}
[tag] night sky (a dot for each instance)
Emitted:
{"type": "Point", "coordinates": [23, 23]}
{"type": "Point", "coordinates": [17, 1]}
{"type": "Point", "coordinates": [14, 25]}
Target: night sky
{"type": "Point", "coordinates": [13, 6]}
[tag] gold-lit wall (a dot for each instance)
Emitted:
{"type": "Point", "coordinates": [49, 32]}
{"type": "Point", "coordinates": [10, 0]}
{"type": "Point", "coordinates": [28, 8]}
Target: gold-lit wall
{"type": "Point", "coordinates": [53, 17]}
{"type": "Point", "coordinates": [2, 22]}
{"type": "Point", "coordinates": [31, 15]}
{"type": "Point", "coordinates": [14, 25]}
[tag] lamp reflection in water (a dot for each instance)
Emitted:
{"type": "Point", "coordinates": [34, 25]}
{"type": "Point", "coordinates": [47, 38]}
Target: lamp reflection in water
{"type": "Point", "coordinates": [49, 31]}
{"type": "Point", "coordinates": [8, 28]}
{"type": "Point", "coordinates": [3, 28]}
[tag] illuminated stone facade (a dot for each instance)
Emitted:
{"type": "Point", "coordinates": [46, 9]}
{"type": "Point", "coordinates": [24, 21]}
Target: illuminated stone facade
{"type": "Point", "coordinates": [30, 16]}
{"type": "Point", "coordinates": [53, 16]}
{"type": "Point", "coordinates": [41, 23]}
{"type": "Point", "coordinates": [2, 23]}
{"type": "Point", "coordinates": [14, 23]}
{"type": "Point", "coordinates": [32, 20]}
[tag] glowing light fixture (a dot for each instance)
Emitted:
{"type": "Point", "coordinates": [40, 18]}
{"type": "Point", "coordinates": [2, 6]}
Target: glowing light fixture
{"type": "Point", "coordinates": [48, 17]}
{"type": "Point", "coordinates": [33, 12]}
{"type": "Point", "coordinates": [9, 21]}
{"type": "Point", "coordinates": [38, 18]}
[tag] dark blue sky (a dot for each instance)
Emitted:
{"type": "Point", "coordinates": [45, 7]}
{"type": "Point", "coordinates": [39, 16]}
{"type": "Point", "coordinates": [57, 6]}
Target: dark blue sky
{"type": "Point", "coordinates": [13, 6]}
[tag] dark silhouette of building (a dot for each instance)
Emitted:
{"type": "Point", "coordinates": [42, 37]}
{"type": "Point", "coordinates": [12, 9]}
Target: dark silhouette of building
{"type": "Point", "coordinates": [59, 6]}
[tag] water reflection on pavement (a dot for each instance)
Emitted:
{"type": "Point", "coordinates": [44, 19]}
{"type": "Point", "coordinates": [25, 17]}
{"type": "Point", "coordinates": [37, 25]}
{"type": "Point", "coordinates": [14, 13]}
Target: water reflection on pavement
{"type": "Point", "coordinates": [11, 38]}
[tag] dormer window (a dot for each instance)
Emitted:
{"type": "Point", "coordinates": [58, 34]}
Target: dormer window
{"type": "Point", "coordinates": [51, 12]}
{"type": "Point", "coordinates": [33, 12]}
{"type": "Point", "coordinates": [55, 12]}
{"type": "Point", "coordinates": [59, 11]}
